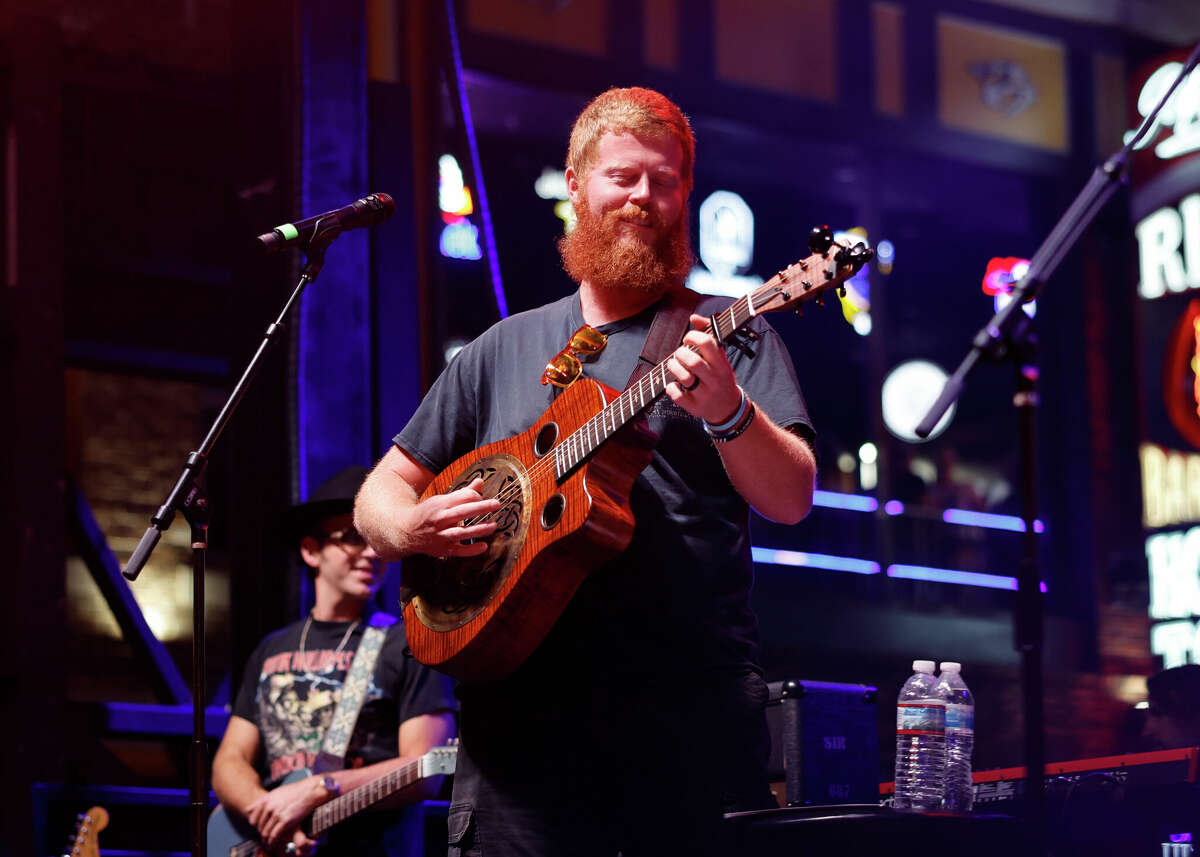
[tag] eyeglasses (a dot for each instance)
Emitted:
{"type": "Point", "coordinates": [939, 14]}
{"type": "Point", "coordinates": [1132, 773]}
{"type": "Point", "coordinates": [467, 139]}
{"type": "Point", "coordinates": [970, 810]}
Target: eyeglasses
{"type": "Point", "coordinates": [566, 367]}
{"type": "Point", "coordinates": [348, 538]}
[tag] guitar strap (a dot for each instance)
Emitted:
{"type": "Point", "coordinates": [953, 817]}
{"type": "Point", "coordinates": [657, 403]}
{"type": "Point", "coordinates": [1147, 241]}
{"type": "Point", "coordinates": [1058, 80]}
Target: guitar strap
{"type": "Point", "coordinates": [337, 739]}
{"type": "Point", "coordinates": [666, 331]}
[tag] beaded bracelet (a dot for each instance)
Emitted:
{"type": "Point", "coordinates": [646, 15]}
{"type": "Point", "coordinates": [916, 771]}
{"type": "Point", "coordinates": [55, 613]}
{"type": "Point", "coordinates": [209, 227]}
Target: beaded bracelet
{"type": "Point", "coordinates": [736, 431]}
{"type": "Point", "coordinates": [729, 423]}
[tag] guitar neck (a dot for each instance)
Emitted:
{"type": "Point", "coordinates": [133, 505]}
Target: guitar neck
{"type": "Point", "coordinates": [588, 437]}
{"type": "Point", "coordinates": [356, 800]}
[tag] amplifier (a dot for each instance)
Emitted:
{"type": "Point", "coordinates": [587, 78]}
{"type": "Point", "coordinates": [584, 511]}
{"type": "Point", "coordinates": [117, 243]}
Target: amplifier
{"type": "Point", "coordinates": [996, 789]}
{"type": "Point", "coordinates": [1109, 806]}
{"type": "Point", "coordinates": [824, 743]}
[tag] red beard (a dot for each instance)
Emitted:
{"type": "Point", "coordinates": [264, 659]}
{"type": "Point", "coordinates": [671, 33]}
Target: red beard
{"type": "Point", "coordinates": [608, 256]}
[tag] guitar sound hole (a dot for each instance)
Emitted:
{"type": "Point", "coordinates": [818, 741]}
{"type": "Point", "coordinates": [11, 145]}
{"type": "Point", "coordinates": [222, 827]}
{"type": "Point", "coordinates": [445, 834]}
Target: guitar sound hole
{"type": "Point", "coordinates": [553, 510]}
{"type": "Point", "coordinates": [546, 437]}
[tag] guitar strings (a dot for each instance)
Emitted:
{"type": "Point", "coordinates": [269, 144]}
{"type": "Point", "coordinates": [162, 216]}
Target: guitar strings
{"type": "Point", "coordinates": [536, 471]}
{"type": "Point", "coordinates": [744, 303]}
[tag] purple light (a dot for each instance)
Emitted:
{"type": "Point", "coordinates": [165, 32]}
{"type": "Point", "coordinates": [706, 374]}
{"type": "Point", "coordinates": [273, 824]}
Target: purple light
{"type": "Point", "coordinates": [989, 520]}
{"type": "Point", "coordinates": [485, 210]}
{"type": "Point", "coordinates": [851, 502]}
{"type": "Point", "coordinates": [1181, 837]}
{"type": "Point", "coordinates": [893, 507]}
{"type": "Point", "coordinates": [948, 575]}
{"type": "Point", "coordinates": [814, 560]}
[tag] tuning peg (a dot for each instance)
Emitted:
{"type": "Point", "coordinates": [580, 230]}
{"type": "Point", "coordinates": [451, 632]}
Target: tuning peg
{"type": "Point", "coordinates": [861, 254]}
{"type": "Point", "coordinates": [841, 291]}
{"type": "Point", "coordinates": [820, 239]}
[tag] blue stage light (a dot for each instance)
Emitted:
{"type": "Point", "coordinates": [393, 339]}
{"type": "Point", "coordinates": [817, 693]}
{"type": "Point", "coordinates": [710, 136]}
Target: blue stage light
{"type": "Point", "coordinates": [852, 502]}
{"type": "Point", "coordinates": [989, 520]}
{"type": "Point", "coordinates": [814, 560]}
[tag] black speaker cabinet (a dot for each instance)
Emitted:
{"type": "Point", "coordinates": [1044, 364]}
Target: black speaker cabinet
{"type": "Point", "coordinates": [824, 742]}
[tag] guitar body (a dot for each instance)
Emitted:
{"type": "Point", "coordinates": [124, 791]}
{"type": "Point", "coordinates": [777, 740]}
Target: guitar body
{"type": "Point", "coordinates": [478, 618]}
{"type": "Point", "coordinates": [230, 835]}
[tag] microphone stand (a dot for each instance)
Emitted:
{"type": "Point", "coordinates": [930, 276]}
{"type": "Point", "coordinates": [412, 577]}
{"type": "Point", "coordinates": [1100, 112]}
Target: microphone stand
{"type": "Point", "coordinates": [189, 498]}
{"type": "Point", "coordinates": [1009, 336]}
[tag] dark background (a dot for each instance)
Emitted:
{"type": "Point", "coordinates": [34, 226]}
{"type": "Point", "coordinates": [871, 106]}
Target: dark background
{"type": "Point", "coordinates": [145, 147]}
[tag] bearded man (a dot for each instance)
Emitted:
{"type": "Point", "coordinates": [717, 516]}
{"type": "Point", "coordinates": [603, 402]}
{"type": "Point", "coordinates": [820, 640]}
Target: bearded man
{"type": "Point", "coordinates": [639, 718]}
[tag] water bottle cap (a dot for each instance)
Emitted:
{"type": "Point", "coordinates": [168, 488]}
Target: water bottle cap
{"type": "Point", "coordinates": [923, 666]}
{"type": "Point", "coordinates": [951, 667]}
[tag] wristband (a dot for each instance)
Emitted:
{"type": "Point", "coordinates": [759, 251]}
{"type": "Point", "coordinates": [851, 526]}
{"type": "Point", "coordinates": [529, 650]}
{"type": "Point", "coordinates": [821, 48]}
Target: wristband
{"type": "Point", "coordinates": [720, 428]}
{"type": "Point", "coordinates": [725, 437]}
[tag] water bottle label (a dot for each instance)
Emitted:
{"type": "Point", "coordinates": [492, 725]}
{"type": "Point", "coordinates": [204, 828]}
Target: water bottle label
{"type": "Point", "coordinates": [960, 718]}
{"type": "Point", "coordinates": [920, 718]}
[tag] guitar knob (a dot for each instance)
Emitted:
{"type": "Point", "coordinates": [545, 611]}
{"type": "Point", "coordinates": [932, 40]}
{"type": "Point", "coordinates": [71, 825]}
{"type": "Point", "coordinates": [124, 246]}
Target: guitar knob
{"type": "Point", "coordinates": [820, 239]}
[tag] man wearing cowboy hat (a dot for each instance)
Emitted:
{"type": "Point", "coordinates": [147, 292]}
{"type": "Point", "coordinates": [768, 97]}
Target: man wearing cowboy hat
{"type": "Point", "coordinates": [295, 677]}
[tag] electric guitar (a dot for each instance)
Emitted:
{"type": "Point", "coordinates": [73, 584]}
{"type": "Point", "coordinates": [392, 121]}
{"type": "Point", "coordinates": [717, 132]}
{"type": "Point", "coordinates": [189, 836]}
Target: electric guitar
{"type": "Point", "coordinates": [86, 841]}
{"type": "Point", "coordinates": [564, 484]}
{"type": "Point", "coordinates": [230, 835]}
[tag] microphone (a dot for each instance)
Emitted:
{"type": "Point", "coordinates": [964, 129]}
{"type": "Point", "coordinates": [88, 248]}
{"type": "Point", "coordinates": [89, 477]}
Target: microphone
{"type": "Point", "coordinates": [367, 211]}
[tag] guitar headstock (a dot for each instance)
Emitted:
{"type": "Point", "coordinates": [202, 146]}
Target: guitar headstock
{"type": "Point", "coordinates": [829, 266]}
{"type": "Point", "coordinates": [440, 760]}
{"type": "Point", "coordinates": [86, 841]}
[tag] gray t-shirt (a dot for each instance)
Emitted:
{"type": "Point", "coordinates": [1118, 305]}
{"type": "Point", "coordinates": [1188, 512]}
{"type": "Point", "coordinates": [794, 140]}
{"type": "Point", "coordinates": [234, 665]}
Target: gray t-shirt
{"type": "Point", "coordinates": [677, 600]}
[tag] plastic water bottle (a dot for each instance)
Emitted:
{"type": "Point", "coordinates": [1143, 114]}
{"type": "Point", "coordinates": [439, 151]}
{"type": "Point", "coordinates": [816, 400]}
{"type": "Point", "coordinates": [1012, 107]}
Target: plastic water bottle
{"type": "Point", "coordinates": [920, 742]}
{"type": "Point", "coordinates": [960, 737]}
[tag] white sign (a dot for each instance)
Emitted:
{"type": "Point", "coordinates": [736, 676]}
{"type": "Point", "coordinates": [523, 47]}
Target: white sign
{"type": "Point", "coordinates": [1174, 561]}
{"type": "Point", "coordinates": [1178, 643]}
{"type": "Point", "coordinates": [1170, 486]}
{"type": "Point", "coordinates": [726, 246]}
{"type": "Point", "coordinates": [1181, 113]}
{"type": "Point", "coordinates": [1169, 249]}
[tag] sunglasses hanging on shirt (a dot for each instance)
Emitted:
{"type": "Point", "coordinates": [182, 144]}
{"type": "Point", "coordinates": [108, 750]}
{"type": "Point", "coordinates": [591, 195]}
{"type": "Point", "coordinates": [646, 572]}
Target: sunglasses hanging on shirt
{"type": "Point", "coordinates": [566, 366]}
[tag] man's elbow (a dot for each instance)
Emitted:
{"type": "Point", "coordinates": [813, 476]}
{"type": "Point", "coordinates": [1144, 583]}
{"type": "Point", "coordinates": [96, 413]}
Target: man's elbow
{"type": "Point", "coordinates": [792, 507]}
{"type": "Point", "coordinates": [794, 511]}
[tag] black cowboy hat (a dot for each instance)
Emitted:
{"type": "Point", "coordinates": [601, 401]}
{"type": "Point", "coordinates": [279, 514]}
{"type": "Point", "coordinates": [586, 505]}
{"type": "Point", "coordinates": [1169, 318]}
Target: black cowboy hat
{"type": "Point", "coordinates": [334, 496]}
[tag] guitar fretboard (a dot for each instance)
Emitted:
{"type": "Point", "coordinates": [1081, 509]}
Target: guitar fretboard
{"type": "Point", "coordinates": [340, 808]}
{"type": "Point", "coordinates": [588, 437]}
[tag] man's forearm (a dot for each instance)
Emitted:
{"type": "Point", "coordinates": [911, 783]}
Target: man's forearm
{"type": "Point", "coordinates": [236, 782]}
{"type": "Point", "coordinates": [379, 509]}
{"type": "Point", "coordinates": [772, 468]}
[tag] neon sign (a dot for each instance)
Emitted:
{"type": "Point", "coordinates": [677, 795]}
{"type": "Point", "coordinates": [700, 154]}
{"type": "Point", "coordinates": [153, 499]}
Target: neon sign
{"type": "Point", "coordinates": [460, 237]}
{"type": "Point", "coordinates": [552, 184]}
{"type": "Point", "coordinates": [1169, 249]}
{"type": "Point", "coordinates": [726, 246]}
{"type": "Point", "coordinates": [1170, 487]}
{"type": "Point", "coordinates": [1004, 272]}
{"type": "Point", "coordinates": [856, 296]}
{"type": "Point", "coordinates": [1181, 385]}
{"type": "Point", "coordinates": [1181, 114]}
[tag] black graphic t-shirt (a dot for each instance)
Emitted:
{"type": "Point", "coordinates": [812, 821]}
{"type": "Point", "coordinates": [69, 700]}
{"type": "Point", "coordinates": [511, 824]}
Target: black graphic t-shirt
{"type": "Point", "coordinates": [291, 695]}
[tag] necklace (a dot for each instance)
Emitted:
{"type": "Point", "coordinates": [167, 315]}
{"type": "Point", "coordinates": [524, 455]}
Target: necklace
{"type": "Point", "coordinates": [341, 645]}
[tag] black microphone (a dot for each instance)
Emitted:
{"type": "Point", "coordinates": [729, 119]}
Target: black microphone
{"type": "Point", "coordinates": [367, 211]}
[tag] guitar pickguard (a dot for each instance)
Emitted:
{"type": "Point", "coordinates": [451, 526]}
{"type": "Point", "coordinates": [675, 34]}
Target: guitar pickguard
{"type": "Point", "coordinates": [464, 585]}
